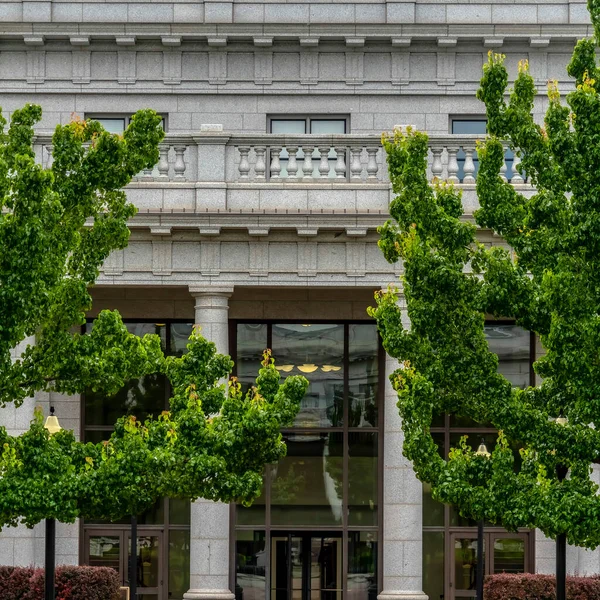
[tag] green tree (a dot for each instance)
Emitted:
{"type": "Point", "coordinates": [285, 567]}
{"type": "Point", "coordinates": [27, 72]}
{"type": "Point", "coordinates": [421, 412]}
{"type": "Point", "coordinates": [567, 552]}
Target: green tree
{"type": "Point", "coordinates": [549, 282]}
{"type": "Point", "coordinates": [57, 226]}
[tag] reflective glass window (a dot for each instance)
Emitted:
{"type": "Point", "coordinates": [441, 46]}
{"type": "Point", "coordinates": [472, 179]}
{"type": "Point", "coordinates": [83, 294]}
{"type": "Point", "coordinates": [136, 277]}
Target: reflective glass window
{"type": "Point", "coordinates": [362, 478]}
{"type": "Point", "coordinates": [362, 565]}
{"type": "Point", "coordinates": [363, 375]}
{"type": "Point", "coordinates": [250, 565]}
{"type": "Point", "coordinates": [251, 343]}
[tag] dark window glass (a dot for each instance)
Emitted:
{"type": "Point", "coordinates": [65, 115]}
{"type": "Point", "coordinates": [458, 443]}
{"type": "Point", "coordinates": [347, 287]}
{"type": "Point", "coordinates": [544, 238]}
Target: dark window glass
{"type": "Point", "coordinates": [512, 344]}
{"type": "Point", "coordinates": [179, 563]}
{"type": "Point", "coordinates": [433, 511]}
{"type": "Point", "coordinates": [363, 375]}
{"type": "Point", "coordinates": [307, 484]}
{"type": "Point", "coordinates": [112, 125]}
{"type": "Point", "coordinates": [362, 479]}
{"type": "Point", "coordinates": [250, 562]}
{"type": "Point", "coordinates": [362, 565]}
{"type": "Point", "coordinates": [179, 511]}
{"type": "Point", "coordinates": [180, 338]}
{"type": "Point", "coordinates": [251, 343]}
{"type": "Point", "coordinates": [317, 352]}
{"type": "Point", "coordinates": [104, 551]}
{"type": "Point", "coordinates": [433, 564]}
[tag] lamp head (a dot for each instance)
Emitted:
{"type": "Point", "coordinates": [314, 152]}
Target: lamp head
{"type": "Point", "coordinates": [52, 425]}
{"type": "Point", "coordinates": [482, 450]}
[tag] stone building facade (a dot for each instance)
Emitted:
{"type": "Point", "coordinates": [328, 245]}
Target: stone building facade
{"type": "Point", "coordinates": [259, 222]}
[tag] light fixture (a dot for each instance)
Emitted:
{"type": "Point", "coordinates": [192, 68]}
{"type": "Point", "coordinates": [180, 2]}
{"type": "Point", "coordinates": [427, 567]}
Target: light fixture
{"type": "Point", "coordinates": [328, 368]}
{"type": "Point", "coordinates": [52, 425]}
{"type": "Point", "coordinates": [308, 368]}
{"type": "Point", "coordinates": [561, 420]}
{"type": "Point", "coordinates": [482, 450]}
{"type": "Point", "coordinates": [284, 368]}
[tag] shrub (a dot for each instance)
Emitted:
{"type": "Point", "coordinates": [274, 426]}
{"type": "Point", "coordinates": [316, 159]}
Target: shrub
{"type": "Point", "coordinates": [72, 583]}
{"type": "Point", "coordinates": [527, 586]}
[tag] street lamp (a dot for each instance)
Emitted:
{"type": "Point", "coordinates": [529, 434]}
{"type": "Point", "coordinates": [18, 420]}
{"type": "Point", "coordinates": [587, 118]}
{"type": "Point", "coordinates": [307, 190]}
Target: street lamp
{"type": "Point", "coordinates": [52, 426]}
{"type": "Point", "coordinates": [481, 451]}
{"type": "Point", "coordinates": [561, 538]}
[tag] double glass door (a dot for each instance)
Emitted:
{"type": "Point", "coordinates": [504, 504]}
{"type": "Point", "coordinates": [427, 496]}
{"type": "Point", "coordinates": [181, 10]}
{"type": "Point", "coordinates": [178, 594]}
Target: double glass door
{"type": "Point", "coordinates": [502, 552]}
{"type": "Point", "coordinates": [306, 566]}
{"type": "Point", "coordinates": [112, 548]}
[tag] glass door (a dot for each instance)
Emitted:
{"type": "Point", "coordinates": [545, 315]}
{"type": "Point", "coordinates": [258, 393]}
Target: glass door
{"type": "Point", "coordinates": [305, 566]}
{"type": "Point", "coordinates": [508, 553]}
{"type": "Point", "coordinates": [149, 565]}
{"type": "Point", "coordinates": [463, 567]}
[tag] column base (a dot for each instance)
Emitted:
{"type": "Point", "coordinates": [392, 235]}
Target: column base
{"type": "Point", "coordinates": [208, 595]}
{"type": "Point", "coordinates": [402, 595]}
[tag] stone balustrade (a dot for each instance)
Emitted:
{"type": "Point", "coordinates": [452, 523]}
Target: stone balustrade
{"type": "Point", "coordinates": [300, 159]}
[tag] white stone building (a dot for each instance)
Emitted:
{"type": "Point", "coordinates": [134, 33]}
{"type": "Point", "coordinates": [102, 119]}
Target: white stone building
{"type": "Point", "coordinates": [259, 222]}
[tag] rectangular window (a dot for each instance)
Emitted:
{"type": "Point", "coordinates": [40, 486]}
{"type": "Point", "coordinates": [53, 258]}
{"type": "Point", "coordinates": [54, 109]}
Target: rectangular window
{"type": "Point", "coordinates": [115, 123]}
{"type": "Point", "coordinates": [478, 127]}
{"type": "Point", "coordinates": [300, 125]}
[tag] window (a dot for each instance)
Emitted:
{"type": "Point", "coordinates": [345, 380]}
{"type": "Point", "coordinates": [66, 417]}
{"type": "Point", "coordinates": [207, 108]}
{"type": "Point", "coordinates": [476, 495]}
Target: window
{"type": "Point", "coordinates": [449, 540]}
{"type": "Point", "coordinates": [320, 503]}
{"type": "Point", "coordinates": [164, 529]}
{"type": "Point", "coordinates": [116, 123]}
{"type": "Point", "coordinates": [308, 125]}
{"type": "Point", "coordinates": [476, 127]}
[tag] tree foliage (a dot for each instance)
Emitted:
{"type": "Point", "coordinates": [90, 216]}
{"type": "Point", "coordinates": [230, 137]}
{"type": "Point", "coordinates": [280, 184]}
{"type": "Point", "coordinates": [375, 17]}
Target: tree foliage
{"type": "Point", "coordinates": [57, 226]}
{"type": "Point", "coordinates": [549, 282]}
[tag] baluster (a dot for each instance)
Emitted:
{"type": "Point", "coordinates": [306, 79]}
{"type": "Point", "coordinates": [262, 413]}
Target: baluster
{"type": "Point", "coordinates": [340, 163]}
{"type": "Point", "coordinates": [292, 167]}
{"type": "Point", "coordinates": [324, 163]}
{"type": "Point", "coordinates": [275, 164]}
{"type": "Point", "coordinates": [49, 157]}
{"type": "Point", "coordinates": [355, 163]}
{"type": "Point", "coordinates": [179, 166]}
{"type": "Point", "coordinates": [452, 164]}
{"type": "Point", "coordinates": [469, 166]}
{"type": "Point", "coordinates": [372, 166]}
{"type": "Point", "coordinates": [436, 166]}
{"type": "Point", "coordinates": [307, 166]}
{"type": "Point", "coordinates": [260, 167]}
{"type": "Point", "coordinates": [517, 177]}
{"type": "Point", "coordinates": [163, 162]}
{"type": "Point", "coordinates": [147, 174]}
{"type": "Point", "coordinates": [503, 168]}
{"type": "Point", "coordinates": [244, 166]}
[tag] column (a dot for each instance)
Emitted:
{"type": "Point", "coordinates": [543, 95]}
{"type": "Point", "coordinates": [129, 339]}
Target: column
{"type": "Point", "coordinates": [402, 507]}
{"type": "Point", "coordinates": [209, 531]}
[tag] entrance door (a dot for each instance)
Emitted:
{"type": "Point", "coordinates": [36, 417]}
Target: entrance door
{"type": "Point", "coordinates": [111, 548]}
{"type": "Point", "coordinates": [306, 566]}
{"type": "Point", "coordinates": [507, 554]}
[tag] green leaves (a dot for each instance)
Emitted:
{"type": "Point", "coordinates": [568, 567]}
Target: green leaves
{"type": "Point", "coordinates": [548, 281]}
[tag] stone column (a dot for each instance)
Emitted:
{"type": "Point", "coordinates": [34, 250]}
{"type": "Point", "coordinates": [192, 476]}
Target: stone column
{"type": "Point", "coordinates": [209, 531]}
{"type": "Point", "coordinates": [402, 508]}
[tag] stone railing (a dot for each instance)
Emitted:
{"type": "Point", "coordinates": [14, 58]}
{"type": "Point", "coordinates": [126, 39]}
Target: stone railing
{"type": "Point", "coordinates": [298, 159]}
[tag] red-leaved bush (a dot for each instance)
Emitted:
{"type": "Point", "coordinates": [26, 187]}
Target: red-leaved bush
{"type": "Point", "coordinates": [72, 583]}
{"type": "Point", "coordinates": [527, 586]}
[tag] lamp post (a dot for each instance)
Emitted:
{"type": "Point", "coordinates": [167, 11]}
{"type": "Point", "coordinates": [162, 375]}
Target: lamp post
{"type": "Point", "coordinates": [481, 451]}
{"type": "Point", "coordinates": [52, 426]}
{"type": "Point", "coordinates": [561, 538]}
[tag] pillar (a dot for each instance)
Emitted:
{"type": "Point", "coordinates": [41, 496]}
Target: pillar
{"type": "Point", "coordinates": [209, 530]}
{"type": "Point", "coordinates": [402, 507]}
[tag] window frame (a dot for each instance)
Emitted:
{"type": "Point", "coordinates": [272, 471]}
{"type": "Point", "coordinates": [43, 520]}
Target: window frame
{"type": "Point", "coordinates": [344, 528]}
{"type": "Point", "coordinates": [93, 116]}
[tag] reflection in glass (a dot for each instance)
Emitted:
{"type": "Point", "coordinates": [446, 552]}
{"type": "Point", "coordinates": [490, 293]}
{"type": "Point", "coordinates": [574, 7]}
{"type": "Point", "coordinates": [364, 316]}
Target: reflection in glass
{"type": "Point", "coordinates": [307, 484]}
{"type": "Point", "coordinates": [325, 568]}
{"type": "Point", "coordinates": [362, 565]}
{"type": "Point", "coordinates": [254, 514]}
{"type": "Point", "coordinates": [363, 348]}
{"type": "Point", "coordinates": [250, 560]}
{"type": "Point", "coordinates": [105, 551]}
{"type": "Point", "coordinates": [179, 563]}
{"type": "Point", "coordinates": [465, 563]}
{"type": "Point", "coordinates": [433, 564]}
{"type": "Point", "coordinates": [251, 343]}
{"type": "Point", "coordinates": [148, 558]}
{"type": "Point", "coordinates": [304, 347]}
{"type": "Point", "coordinates": [179, 511]}
{"type": "Point", "coordinates": [112, 125]}
{"type": "Point", "coordinates": [509, 555]}
{"type": "Point", "coordinates": [140, 397]}
{"type": "Point", "coordinates": [180, 337]}
{"type": "Point", "coordinates": [362, 478]}
{"type": "Point", "coordinates": [512, 344]}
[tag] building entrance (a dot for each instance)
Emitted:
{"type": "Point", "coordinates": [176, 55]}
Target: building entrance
{"type": "Point", "coordinates": [306, 566]}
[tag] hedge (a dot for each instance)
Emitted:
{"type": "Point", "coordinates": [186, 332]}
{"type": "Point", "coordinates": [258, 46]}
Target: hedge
{"type": "Point", "coordinates": [527, 586]}
{"type": "Point", "coordinates": [72, 583]}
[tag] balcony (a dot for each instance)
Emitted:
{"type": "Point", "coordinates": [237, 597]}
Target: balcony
{"type": "Point", "coordinates": [216, 172]}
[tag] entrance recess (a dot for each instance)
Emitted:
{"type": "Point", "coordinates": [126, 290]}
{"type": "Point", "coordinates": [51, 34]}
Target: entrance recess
{"type": "Point", "coordinates": [306, 566]}
{"type": "Point", "coordinates": [507, 554]}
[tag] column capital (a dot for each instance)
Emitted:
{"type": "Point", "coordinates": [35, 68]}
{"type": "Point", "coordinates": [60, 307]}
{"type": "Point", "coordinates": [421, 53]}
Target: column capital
{"type": "Point", "coordinates": [211, 290]}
